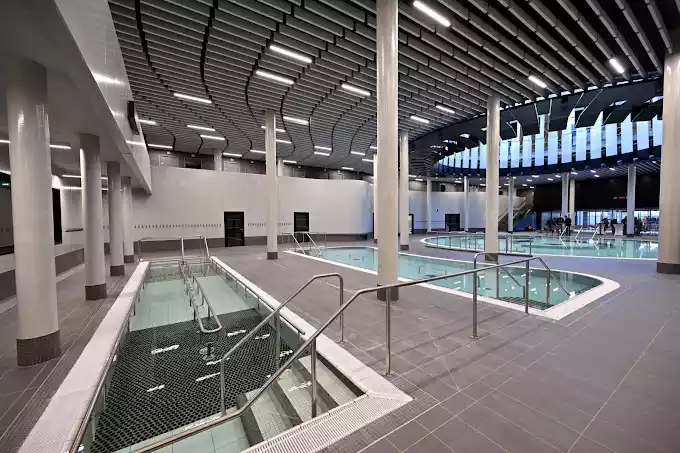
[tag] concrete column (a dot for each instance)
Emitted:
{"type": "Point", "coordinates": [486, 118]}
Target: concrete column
{"type": "Point", "coordinates": [493, 134]}
{"type": "Point", "coordinates": [375, 198]}
{"type": "Point", "coordinates": [115, 219]}
{"type": "Point", "coordinates": [565, 194]}
{"type": "Point", "coordinates": [511, 207]}
{"type": "Point", "coordinates": [279, 167]}
{"type": "Point", "coordinates": [466, 203]}
{"type": "Point", "coordinates": [403, 192]}
{"type": "Point", "coordinates": [669, 193]}
{"type": "Point", "coordinates": [572, 200]}
{"type": "Point", "coordinates": [217, 160]}
{"type": "Point", "coordinates": [32, 220]}
{"type": "Point", "coordinates": [128, 239]}
{"type": "Point", "coordinates": [93, 224]}
{"type": "Point", "coordinates": [386, 46]}
{"type": "Point", "coordinates": [428, 204]}
{"type": "Point", "coordinates": [630, 202]}
{"type": "Point", "coordinates": [272, 185]}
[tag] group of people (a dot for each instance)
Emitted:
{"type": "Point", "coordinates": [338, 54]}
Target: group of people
{"type": "Point", "coordinates": [558, 224]}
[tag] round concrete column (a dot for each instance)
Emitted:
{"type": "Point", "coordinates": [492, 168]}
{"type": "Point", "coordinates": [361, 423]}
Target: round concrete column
{"type": "Point", "coordinates": [565, 194]}
{"type": "Point", "coordinates": [272, 185]}
{"type": "Point", "coordinates": [572, 200]}
{"type": "Point", "coordinates": [630, 202]}
{"type": "Point", "coordinates": [115, 195]}
{"type": "Point", "coordinates": [404, 233]}
{"type": "Point", "coordinates": [128, 240]}
{"type": "Point", "coordinates": [31, 175]}
{"type": "Point", "coordinates": [466, 203]}
{"type": "Point", "coordinates": [375, 198]}
{"type": "Point", "coordinates": [217, 160]}
{"type": "Point", "coordinates": [91, 176]}
{"type": "Point", "coordinates": [428, 204]}
{"type": "Point", "coordinates": [493, 134]}
{"type": "Point", "coordinates": [511, 206]}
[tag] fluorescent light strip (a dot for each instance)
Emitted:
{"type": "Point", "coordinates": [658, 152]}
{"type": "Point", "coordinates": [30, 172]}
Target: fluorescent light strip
{"type": "Point", "coordinates": [537, 81]}
{"type": "Point", "coordinates": [419, 179]}
{"type": "Point", "coordinates": [212, 137]}
{"type": "Point", "coordinates": [291, 119]}
{"type": "Point", "coordinates": [232, 155]}
{"type": "Point", "coordinates": [258, 151]}
{"type": "Point", "coordinates": [274, 77]}
{"type": "Point", "coordinates": [60, 146]}
{"type": "Point", "coordinates": [149, 122]}
{"type": "Point", "coordinates": [287, 142]}
{"type": "Point", "coordinates": [192, 98]}
{"type": "Point", "coordinates": [322, 153]}
{"type": "Point", "coordinates": [432, 13]}
{"type": "Point", "coordinates": [367, 160]}
{"type": "Point", "coordinates": [357, 153]}
{"type": "Point", "coordinates": [289, 53]}
{"type": "Point", "coordinates": [347, 168]}
{"type": "Point", "coordinates": [419, 119]}
{"type": "Point", "coordinates": [618, 67]}
{"type": "Point", "coordinates": [200, 128]}
{"type": "Point", "coordinates": [373, 147]}
{"type": "Point", "coordinates": [6, 142]}
{"type": "Point", "coordinates": [612, 168]}
{"type": "Point", "coordinates": [154, 145]}
{"type": "Point", "coordinates": [323, 148]}
{"type": "Point", "coordinates": [353, 89]}
{"type": "Point", "coordinates": [574, 173]}
{"type": "Point", "coordinates": [277, 129]}
{"type": "Point", "coordinates": [289, 161]}
{"type": "Point", "coordinates": [445, 109]}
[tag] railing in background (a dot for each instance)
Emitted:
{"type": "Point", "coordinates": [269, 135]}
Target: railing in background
{"type": "Point", "coordinates": [190, 281]}
{"type": "Point", "coordinates": [291, 241]}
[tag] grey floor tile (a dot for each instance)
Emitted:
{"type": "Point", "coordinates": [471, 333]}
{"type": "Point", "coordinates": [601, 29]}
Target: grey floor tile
{"type": "Point", "coordinates": [585, 445]}
{"type": "Point", "coordinates": [457, 403]}
{"type": "Point", "coordinates": [407, 435]}
{"type": "Point", "coordinates": [382, 446]}
{"type": "Point", "coordinates": [434, 418]}
{"type": "Point", "coordinates": [429, 444]}
{"type": "Point", "coordinates": [462, 438]}
{"type": "Point", "coordinates": [618, 440]}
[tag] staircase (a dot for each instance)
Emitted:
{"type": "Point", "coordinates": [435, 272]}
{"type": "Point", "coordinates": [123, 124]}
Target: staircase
{"type": "Point", "coordinates": [518, 212]}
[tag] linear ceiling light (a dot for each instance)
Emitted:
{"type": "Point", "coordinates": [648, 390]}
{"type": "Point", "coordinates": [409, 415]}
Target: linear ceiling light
{"type": "Point", "coordinates": [353, 89]}
{"type": "Point", "coordinates": [277, 129]}
{"type": "Point", "coordinates": [291, 119]}
{"type": "Point", "coordinates": [192, 98]}
{"type": "Point", "coordinates": [357, 153]}
{"type": "Point", "coordinates": [432, 13]}
{"type": "Point", "coordinates": [373, 147]}
{"type": "Point", "coordinates": [153, 145]}
{"type": "Point", "coordinates": [60, 146]}
{"type": "Point", "coordinates": [274, 77]}
{"type": "Point", "coordinates": [597, 176]}
{"type": "Point", "coordinates": [419, 119]}
{"type": "Point", "coordinates": [445, 109]}
{"type": "Point", "coordinates": [287, 142]}
{"type": "Point", "coordinates": [212, 137]}
{"type": "Point", "coordinates": [149, 122]}
{"type": "Point", "coordinates": [289, 53]}
{"type": "Point", "coordinates": [537, 81]}
{"type": "Point", "coordinates": [320, 153]}
{"type": "Point", "coordinates": [367, 160]}
{"type": "Point", "coordinates": [612, 168]}
{"type": "Point", "coordinates": [6, 142]}
{"type": "Point", "coordinates": [258, 151]}
{"type": "Point", "coordinates": [593, 171]}
{"type": "Point", "coordinates": [347, 168]}
{"type": "Point", "coordinates": [574, 173]}
{"type": "Point", "coordinates": [618, 67]}
{"type": "Point", "coordinates": [231, 154]}
{"type": "Point", "coordinates": [289, 161]}
{"type": "Point", "coordinates": [323, 148]}
{"type": "Point", "coordinates": [200, 128]}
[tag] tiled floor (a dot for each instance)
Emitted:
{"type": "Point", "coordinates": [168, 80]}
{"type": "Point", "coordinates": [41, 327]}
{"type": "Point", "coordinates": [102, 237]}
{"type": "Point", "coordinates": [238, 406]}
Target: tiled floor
{"type": "Point", "coordinates": [603, 379]}
{"type": "Point", "coordinates": [25, 391]}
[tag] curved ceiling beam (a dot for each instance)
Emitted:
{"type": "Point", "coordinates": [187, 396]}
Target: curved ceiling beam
{"type": "Point", "coordinates": [637, 28]}
{"type": "Point", "coordinates": [658, 20]}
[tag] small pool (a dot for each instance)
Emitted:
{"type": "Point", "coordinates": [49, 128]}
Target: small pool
{"type": "Point", "coordinates": [506, 286]}
{"type": "Point", "coordinates": [551, 245]}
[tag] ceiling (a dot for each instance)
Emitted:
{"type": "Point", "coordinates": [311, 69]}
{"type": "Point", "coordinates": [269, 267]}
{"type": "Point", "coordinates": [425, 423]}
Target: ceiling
{"type": "Point", "coordinates": [226, 52]}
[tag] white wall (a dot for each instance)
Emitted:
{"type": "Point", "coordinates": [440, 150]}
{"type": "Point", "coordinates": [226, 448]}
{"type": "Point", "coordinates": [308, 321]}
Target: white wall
{"type": "Point", "coordinates": [450, 203]}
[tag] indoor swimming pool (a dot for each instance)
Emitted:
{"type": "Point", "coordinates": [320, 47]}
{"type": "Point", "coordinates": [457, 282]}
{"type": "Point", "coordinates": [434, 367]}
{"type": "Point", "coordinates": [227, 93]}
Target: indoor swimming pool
{"type": "Point", "coordinates": [506, 284]}
{"type": "Point", "coordinates": [585, 246]}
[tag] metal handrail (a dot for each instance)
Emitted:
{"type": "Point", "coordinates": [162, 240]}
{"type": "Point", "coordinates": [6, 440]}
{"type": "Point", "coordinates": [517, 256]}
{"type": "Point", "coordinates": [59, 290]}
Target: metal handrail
{"type": "Point", "coordinates": [311, 341]}
{"type": "Point", "coordinates": [298, 243]}
{"type": "Point", "coordinates": [276, 313]}
{"type": "Point", "coordinates": [486, 255]}
{"type": "Point", "coordinates": [318, 250]}
{"type": "Point", "coordinates": [204, 299]}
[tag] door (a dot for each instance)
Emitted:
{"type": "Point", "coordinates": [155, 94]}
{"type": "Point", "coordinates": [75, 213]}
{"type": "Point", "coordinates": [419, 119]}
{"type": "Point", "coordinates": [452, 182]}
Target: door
{"type": "Point", "coordinates": [410, 223]}
{"type": "Point", "coordinates": [233, 229]}
{"type": "Point", "coordinates": [452, 222]}
{"type": "Point", "coordinates": [301, 223]}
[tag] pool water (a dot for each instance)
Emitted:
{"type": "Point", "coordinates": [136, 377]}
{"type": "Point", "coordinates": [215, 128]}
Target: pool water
{"type": "Point", "coordinates": [507, 286]}
{"type": "Point", "coordinates": [553, 245]}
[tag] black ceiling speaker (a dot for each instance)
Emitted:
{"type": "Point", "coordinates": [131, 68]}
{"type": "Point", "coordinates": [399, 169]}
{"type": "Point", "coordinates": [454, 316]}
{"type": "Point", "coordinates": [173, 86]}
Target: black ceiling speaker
{"type": "Point", "coordinates": [131, 117]}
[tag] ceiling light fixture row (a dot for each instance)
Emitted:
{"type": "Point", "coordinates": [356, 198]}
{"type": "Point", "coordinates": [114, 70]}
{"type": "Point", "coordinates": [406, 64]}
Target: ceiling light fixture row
{"type": "Point", "coordinates": [294, 120]}
{"type": "Point", "coordinates": [356, 90]}
{"type": "Point", "coordinates": [187, 97]}
{"type": "Point", "coordinates": [274, 77]}
{"type": "Point", "coordinates": [289, 53]}
{"type": "Point", "coordinates": [419, 119]}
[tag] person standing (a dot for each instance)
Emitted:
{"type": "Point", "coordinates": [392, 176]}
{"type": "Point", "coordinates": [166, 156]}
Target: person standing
{"type": "Point", "coordinates": [567, 224]}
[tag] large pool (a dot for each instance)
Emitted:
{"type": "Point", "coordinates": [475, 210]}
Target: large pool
{"type": "Point", "coordinates": [507, 286]}
{"type": "Point", "coordinates": [552, 245]}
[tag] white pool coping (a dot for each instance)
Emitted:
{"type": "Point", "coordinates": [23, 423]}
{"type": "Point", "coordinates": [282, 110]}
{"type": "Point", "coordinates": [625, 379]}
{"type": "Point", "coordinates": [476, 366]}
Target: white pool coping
{"type": "Point", "coordinates": [555, 312]}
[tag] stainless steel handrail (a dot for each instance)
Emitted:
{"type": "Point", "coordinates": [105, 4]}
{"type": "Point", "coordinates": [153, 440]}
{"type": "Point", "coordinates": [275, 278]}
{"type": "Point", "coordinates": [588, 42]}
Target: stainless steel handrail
{"type": "Point", "coordinates": [297, 242]}
{"type": "Point", "coordinates": [311, 344]}
{"type": "Point", "coordinates": [474, 265]}
{"type": "Point", "coordinates": [318, 249]}
{"type": "Point", "coordinates": [204, 298]}
{"type": "Point", "coordinates": [276, 313]}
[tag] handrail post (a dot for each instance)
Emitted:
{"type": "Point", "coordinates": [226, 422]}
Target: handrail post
{"type": "Point", "coordinates": [388, 332]}
{"type": "Point", "coordinates": [498, 282]}
{"type": "Point", "coordinates": [277, 349]}
{"type": "Point", "coordinates": [342, 314]}
{"type": "Point", "coordinates": [313, 373]}
{"type": "Point", "coordinates": [526, 289]}
{"type": "Point", "coordinates": [547, 289]}
{"type": "Point", "coordinates": [181, 241]}
{"type": "Point", "coordinates": [474, 306]}
{"type": "Point", "coordinates": [223, 389]}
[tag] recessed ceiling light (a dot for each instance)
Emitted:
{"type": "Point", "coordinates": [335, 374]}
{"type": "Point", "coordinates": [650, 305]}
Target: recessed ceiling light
{"type": "Point", "coordinates": [347, 168]}
{"type": "Point", "coordinates": [535, 176]}
{"type": "Point", "coordinates": [612, 168]}
{"type": "Point", "coordinates": [321, 153]}
{"type": "Point", "coordinates": [593, 171]}
{"type": "Point", "coordinates": [445, 109]}
{"type": "Point", "coordinates": [618, 67]}
{"type": "Point", "coordinates": [291, 119]}
{"type": "Point", "coordinates": [597, 176]}
{"type": "Point", "coordinates": [60, 146]}
{"type": "Point", "coordinates": [192, 98]}
{"type": "Point", "coordinates": [357, 153]}
{"type": "Point", "coordinates": [529, 179]}
{"type": "Point", "coordinates": [287, 142]}
{"type": "Point", "coordinates": [419, 179]}
{"type": "Point", "coordinates": [524, 185]}
{"type": "Point", "coordinates": [432, 13]}
{"type": "Point", "coordinates": [373, 147]}
{"type": "Point", "coordinates": [212, 137]}
{"type": "Point", "coordinates": [289, 53]}
{"type": "Point", "coordinates": [232, 155]}
{"type": "Point", "coordinates": [130, 142]}
{"type": "Point", "coordinates": [149, 122]}
{"type": "Point", "coordinates": [353, 89]}
{"type": "Point", "coordinates": [289, 161]}
{"type": "Point", "coordinates": [367, 160]}
{"type": "Point", "coordinates": [277, 129]}
{"type": "Point", "coordinates": [558, 176]}
{"type": "Point", "coordinates": [153, 145]}
{"type": "Point", "coordinates": [200, 128]}
{"type": "Point", "coordinates": [274, 77]}
{"type": "Point", "coordinates": [550, 179]}
{"type": "Point", "coordinates": [258, 151]}
{"type": "Point", "coordinates": [537, 81]}
{"type": "Point", "coordinates": [465, 135]}
{"type": "Point", "coordinates": [419, 119]}
{"type": "Point", "coordinates": [574, 173]}
{"type": "Point", "coordinates": [323, 148]}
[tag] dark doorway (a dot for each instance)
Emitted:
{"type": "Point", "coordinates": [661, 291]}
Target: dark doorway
{"type": "Point", "coordinates": [233, 229]}
{"type": "Point", "coordinates": [452, 222]}
{"type": "Point", "coordinates": [301, 223]}
{"type": "Point", "coordinates": [56, 215]}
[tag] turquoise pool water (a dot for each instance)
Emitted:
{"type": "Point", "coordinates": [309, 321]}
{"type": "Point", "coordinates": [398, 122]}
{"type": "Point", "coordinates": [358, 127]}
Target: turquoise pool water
{"type": "Point", "coordinates": [552, 245]}
{"type": "Point", "coordinates": [506, 286]}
